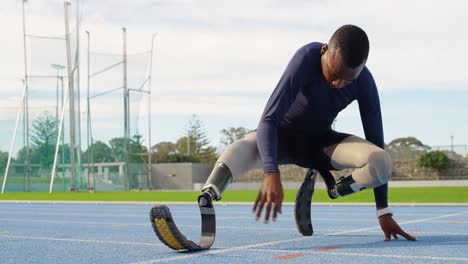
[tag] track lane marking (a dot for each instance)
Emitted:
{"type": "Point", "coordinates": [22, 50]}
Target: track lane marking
{"type": "Point", "coordinates": [213, 252]}
{"type": "Point", "coordinates": [358, 254]}
{"type": "Point", "coordinates": [81, 240]}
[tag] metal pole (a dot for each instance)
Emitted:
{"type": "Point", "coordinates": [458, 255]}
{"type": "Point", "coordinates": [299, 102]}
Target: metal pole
{"type": "Point", "coordinates": [451, 143]}
{"type": "Point", "coordinates": [57, 84]}
{"type": "Point", "coordinates": [188, 143]}
{"type": "Point", "coordinates": [57, 146]}
{"type": "Point", "coordinates": [89, 136]}
{"type": "Point", "coordinates": [91, 154]}
{"type": "Point", "coordinates": [126, 119]}
{"type": "Point", "coordinates": [77, 64]}
{"type": "Point", "coordinates": [14, 138]}
{"type": "Point", "coordinates": [58, 68]}
{"type": "Point", "coordinates": [150, 169]}
{"type": "Point", "coordinates": [72, 100]}
{"type": "Point", "coordinates": [26, 100]}
{"type": "Point", "coordinates": [63, 93]}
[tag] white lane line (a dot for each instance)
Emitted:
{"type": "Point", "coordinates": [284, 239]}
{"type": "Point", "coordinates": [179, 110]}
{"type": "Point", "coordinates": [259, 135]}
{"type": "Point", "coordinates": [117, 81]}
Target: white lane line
{"type": "Point", "coordinates": [222, 226]}
{"type": "Point", "coordinates": [82, 240]}
{"type": "Point", "coordinates": [189, 217]}
{"type": "Point", "coordinates": [149, 224]}
{"type": "Point", "coordinates": [395, 256]}
{"type": "Point", "coordinates": [318, 211]}
{"type": "Point", "coordinates": [212, 252]}
{"type": "Point", "coordinates": [454, 222]}
{"type": "Point", "coordinates": [175, 216]}
{"type": "Point", "coordinates": [404, 223]}
{"type": "Point", "coordinates": [68, 222]}
{"type": "Point", "coordinates": [35, 213]}
{"type": "Point", "coordinates": [418, 232]}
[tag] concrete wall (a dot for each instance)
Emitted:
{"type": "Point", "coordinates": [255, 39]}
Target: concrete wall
{"type": "Point", "coordinates": [321, 185]}
{"type": "Point", "coordinates": [179, 176]}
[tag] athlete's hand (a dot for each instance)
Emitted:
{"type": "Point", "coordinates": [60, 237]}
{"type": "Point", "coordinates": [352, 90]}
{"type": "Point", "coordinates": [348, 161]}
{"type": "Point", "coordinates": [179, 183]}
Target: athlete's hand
{"type": "Point", "coordinates": [271, 193]}
{"type": "Point", "coordinates": [391, 228]}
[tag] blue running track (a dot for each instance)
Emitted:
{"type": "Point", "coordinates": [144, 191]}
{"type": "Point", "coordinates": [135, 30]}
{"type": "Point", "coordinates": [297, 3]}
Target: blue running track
{"type": "Point", "coordinates": [121, 233]}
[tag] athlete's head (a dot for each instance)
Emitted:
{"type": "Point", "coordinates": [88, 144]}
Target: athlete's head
{"type": "Point", "coordinates": [344, 57]}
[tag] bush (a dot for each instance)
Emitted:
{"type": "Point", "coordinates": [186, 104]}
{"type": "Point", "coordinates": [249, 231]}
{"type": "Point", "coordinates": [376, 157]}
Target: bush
{"type": "Point", "coordinates": [435, 159]}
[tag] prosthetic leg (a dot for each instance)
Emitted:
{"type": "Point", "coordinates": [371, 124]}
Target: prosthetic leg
{"type": "Point", "coordinates": [166, 229]}
{"type": "Point", "coordinates": [302, 204]}
{"type": "Point", "coordinates": [344, 186]}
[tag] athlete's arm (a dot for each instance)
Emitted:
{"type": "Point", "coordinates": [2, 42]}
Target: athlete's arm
{"type": "Point", "coordinates": [271, 192]}
{"type": "Point", "coordinates": [371, 117]}
{"type": "Point", "coordinates": [277, 106]}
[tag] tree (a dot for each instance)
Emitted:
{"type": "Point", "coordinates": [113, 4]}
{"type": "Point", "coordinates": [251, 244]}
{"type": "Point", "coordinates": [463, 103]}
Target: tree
{"type": "Point", "coordinates": [406, 148]}
{"type": "Point", "coordinates": [64, 154]}
{"type": "Point", "coordinates": [196, 143]}
{"type": "Point", "coordinates": [43, 138]}
{"type": "Point", "coordinates": [3, 159]}
{"type": "Point", "coordinates": [135, 149]}
{"type": "Point", "coordinates": [161, 151]}
{"type": "Point", "coordinates": [138, 152]}
{"type": "Point", "coordinates": [117, 149]}
{"type": "Point", "coordinates": [100, 151]}
{"type": "Point", "coordinates": [231, 134]}
{"type": "Point", "coordinates": [435, 159]}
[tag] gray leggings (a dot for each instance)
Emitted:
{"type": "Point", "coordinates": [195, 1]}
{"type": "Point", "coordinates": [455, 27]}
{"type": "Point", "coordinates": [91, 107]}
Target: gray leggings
{"type": "Point", "coordinates": [372, 164]}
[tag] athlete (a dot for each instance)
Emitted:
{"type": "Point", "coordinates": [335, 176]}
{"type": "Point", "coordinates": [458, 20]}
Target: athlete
{"type": "Point", "coordinates": [295, 128]}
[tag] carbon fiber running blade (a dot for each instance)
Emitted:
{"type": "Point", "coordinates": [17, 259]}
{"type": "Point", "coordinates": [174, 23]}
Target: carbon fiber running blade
{"type": "Point", "coordinates": [302, 204]}
{"type": "Point", "coordinates": [166, 230]}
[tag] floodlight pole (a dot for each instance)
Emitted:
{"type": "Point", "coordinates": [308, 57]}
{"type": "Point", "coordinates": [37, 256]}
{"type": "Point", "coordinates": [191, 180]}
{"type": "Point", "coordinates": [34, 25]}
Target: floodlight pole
{"type": "Point", "coordinates": [57, 67]}
{"type": "Point", "coordinates": [26, 102]}
{"type": "Point", "coordinates": [451, 143]}
{"type": "Point", "coordinates": [77, 65]}
{"type": "Point", "coordinates": [72, 100]}
{"type": "Point", "coordinates": [57, 146]}
{"type": "Point", "coordinates": [14, 138]}
{"type": "Point", "coordinates": [89, 136]}
{"type": "Point", "coordinates": [126, 111]}
{"type": "Point", "coordinates": [150, 169]}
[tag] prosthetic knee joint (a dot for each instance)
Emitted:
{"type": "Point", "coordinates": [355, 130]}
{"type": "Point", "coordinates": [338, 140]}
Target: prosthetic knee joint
{"type": "Point", "coordinates": [218, 181]}
{"type": "Point", "coordinates": [347, 185]}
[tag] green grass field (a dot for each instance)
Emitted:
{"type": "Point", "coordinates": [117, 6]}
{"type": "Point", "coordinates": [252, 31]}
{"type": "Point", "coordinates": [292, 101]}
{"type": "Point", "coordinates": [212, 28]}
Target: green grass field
{"type": "Point", "coordinates": [406, 195]}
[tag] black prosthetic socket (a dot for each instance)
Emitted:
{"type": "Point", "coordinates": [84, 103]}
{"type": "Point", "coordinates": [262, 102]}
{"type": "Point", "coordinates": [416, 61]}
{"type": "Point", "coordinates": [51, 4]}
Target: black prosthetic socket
{"type": "Point", "coordinates": [330, 183]}
{"type": "Point", "coordinates": [218, 181]}
{"type": "Point", "coordinates": [347, 185]}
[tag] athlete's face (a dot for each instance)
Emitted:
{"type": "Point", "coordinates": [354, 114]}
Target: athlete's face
{"type": "Point", "coordinates": [335, 72]}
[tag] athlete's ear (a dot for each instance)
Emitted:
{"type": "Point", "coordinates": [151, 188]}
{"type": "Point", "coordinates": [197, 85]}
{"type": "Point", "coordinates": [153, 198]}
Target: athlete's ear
{"type": "Point", "coordinates": [324, 48]}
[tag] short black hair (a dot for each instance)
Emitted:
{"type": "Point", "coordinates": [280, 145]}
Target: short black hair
{"type": "Point", "coordinates": [353, 44]}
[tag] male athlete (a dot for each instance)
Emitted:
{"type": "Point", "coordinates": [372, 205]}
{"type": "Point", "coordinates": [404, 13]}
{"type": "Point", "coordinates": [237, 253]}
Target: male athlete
{"type": "Point", "coordinates": [295, 128]}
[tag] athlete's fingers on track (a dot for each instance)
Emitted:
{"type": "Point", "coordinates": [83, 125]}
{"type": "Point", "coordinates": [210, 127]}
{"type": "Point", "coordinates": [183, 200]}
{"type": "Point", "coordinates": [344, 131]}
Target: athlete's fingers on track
{"type": "Point", "coordinates": [406, 235]}
{"type": "Point", "coordinates": [260, 209]}
{"type": "Point", "coordinates": [387, 236]}
{"type": "Point", "coordinates": [259, 195]}
{"type": "Point", "coordinates": [268, 211]}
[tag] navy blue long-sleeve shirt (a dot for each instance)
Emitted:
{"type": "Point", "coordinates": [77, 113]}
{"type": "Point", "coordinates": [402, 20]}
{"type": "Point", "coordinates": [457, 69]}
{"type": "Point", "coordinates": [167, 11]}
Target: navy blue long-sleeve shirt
{"type": "Point", "coordinates": [305, 102]}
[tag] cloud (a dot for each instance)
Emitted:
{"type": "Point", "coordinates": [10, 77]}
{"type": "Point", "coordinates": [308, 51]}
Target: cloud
{"type": "Point", "coordinates": [224, 58]}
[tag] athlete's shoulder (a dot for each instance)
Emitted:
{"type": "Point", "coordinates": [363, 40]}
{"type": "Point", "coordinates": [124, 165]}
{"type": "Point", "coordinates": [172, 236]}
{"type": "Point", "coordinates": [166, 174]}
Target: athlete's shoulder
{"type": "Point", "coordinates": [365, 83]}
{"type": "Point", "coordinates": [308, 56]}
{"type": "Point", "coordinates": [365, 77]}
{"type": "Point", "coordinates": [310, 49]}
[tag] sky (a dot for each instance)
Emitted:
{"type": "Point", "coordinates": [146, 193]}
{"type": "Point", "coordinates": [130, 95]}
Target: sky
{"type": "Point", "coordinates": [220, 60]}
